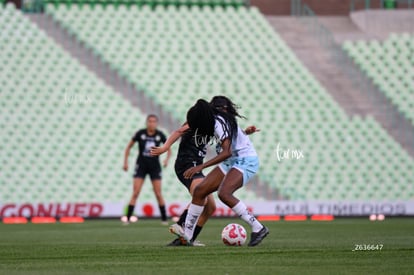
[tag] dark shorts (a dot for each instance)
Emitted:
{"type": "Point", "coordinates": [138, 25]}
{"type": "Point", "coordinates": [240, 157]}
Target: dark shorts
{"type": "Point", "coordinates": [181, 165]}
{"type": "Point", "coordinates": [148, 167]}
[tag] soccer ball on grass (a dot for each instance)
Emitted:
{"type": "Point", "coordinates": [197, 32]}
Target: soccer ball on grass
{"type": "Point", "coordinates": [234, 235]}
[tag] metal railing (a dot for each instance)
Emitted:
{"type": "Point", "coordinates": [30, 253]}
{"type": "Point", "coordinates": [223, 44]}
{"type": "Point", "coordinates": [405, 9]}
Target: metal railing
{"type": "Point", "coordinates": [37, 6]}
{"type": "Point", "coordinates": [368, 4]}
{"type": "Point", "coordinates": [296, 5]}
{"type": "Point", "coordinates": [405, 132]}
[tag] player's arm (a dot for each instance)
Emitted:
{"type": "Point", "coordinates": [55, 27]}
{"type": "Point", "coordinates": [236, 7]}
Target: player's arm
{"type": "Point", "coordinates": [251, 129]}
{"type": "Point", "coordinates": [126, 154]}
{"type": "Point", "coordinates": [223, 155]}
{"type": "Point", "coordinates": [156, 151]}
{"type": "Point", "coordinates": [167, 158]}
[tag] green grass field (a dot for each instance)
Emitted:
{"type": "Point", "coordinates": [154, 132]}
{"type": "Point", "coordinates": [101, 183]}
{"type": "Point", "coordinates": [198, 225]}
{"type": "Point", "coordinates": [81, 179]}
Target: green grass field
{"type": "Point", "coordinates": [107, 247]}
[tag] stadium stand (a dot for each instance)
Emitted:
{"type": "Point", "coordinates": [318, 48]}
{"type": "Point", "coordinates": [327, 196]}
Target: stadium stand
{"type": "Point", "coordinates": [153, 3]}
{"type": "Point", "coordinates": [61, 137]}
{"type": "Point", "coordinates": [389, 65]}
{"type": "Point", "coordinates": [177, 55]}
{"type": "Point", "coordinates": [63, 130]}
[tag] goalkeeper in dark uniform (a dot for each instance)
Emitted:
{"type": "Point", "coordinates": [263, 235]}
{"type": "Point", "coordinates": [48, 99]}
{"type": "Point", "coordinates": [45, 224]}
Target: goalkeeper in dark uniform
{"type": "Point", "coordinates": [147, 164]}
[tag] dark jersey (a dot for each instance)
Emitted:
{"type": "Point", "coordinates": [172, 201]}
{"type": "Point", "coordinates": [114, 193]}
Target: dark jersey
{"type": "Point", "coordinates": [146, 142]}
{"type": "Point", "coordinates": [191, 152]}
{"type": "Point", "coordinates": [192, 146]}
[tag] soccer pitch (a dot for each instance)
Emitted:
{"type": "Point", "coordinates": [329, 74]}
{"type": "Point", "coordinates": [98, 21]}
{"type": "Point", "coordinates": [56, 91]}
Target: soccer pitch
{"type": "Point", "coordinates": [107, 247]}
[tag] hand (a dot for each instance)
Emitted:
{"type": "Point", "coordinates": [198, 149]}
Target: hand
{"type": "Point", "coordinates": [165, 163]}
{"type": "Point", "coordinates": [156, 151]}
{"type": "Point", "coordinates": [251, 129]}
{"type": "Point", "coordinates": [190, 172]}
{"type": "Point", "coordinates": [125, 167]}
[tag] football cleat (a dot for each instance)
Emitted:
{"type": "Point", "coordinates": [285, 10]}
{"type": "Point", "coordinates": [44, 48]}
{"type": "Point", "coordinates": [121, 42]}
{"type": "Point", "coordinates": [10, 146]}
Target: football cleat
{"type": "Point", "coordinates": [176, 242]}
{"type": "Point", "coordinates": [257, 237]}
{"type": "Point", "coordinates": [124, 220]}
{"type": "Point", "coordinates": [179, 232]}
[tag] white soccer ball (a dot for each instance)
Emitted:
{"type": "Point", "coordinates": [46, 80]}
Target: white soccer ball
{"type": "Point", "coordinates": [234, 235]}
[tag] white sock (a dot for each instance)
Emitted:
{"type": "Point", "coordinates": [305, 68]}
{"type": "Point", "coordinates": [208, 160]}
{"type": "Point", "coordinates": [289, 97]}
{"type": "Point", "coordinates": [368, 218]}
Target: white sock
{"type": "Point", "coordinates": [194, 212]}
{"type": "Point", "coordinates": [241, 210]}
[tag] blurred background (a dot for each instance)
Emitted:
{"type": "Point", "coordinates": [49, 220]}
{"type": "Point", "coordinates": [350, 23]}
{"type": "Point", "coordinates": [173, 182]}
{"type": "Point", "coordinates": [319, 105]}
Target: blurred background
{"type": "Point", "coordinates": [330, 83]}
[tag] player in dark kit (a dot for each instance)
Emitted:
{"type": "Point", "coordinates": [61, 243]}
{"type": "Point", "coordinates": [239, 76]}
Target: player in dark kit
{"type": "Point", "coordinates": [190, 153]}
{"type": "Point", "coordinates": [147, 164]}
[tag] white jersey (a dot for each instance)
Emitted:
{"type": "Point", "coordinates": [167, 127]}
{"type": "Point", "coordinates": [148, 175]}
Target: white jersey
{"type": "Point", "coordinates": [241, 146]}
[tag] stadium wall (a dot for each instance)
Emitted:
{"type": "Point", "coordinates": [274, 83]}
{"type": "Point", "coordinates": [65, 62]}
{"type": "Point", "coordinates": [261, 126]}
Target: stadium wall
{"type": "Point", "coordinates": [383, 22]}
{"type": "Point", "coordinates": [320, 7]}
{"type": "Point", "coordinates": [151, 210]}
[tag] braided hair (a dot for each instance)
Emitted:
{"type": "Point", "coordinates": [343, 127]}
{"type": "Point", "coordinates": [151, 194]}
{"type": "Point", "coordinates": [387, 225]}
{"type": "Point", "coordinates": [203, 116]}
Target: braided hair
{"type": "Point", "coordinates": [225, 108]}
{"type": "Point", "coordinates": [202, 118]}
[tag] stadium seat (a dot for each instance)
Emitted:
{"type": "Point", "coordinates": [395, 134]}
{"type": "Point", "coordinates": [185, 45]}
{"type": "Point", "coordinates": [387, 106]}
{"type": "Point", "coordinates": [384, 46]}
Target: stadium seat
{"type": "Point", "coordinates": [118, 4]}
{"type": "Point", "coordinates": [63, 129]}
{"type": "Point", "coordinates": [389, 64]}
{"type": "Point", "coordinates": [178, 54]}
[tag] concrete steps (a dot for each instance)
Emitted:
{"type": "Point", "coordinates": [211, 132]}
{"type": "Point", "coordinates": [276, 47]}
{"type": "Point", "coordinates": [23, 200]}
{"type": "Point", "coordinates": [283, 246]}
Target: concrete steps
{"type": "Point", "coordinates": [352, 90]}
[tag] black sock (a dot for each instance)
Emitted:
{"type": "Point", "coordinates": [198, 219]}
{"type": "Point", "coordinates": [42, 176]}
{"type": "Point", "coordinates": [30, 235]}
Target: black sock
{"type": "Point", "coordinates": [130, 211]}
{"type": "Point", "coordinates": [163, 214]}
{"type": "Point", "coordinates": [197, 231]}
{"type": "Point", "coordinates": [181, 221]}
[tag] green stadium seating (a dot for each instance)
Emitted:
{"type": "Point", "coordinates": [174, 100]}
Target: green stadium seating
{"type": "Point", "coordinates": [389, 65]}
{"type": "Point", "coordinates": [179, 54]}
{"type": "Point", "coordinates": [152, 3]}
{"type": "Point", "coordinates": [63, 130]}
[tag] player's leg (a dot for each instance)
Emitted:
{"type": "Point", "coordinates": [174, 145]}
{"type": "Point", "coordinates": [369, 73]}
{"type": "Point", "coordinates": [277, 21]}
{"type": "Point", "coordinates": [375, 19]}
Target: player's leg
{"type": "Point", "coordinates": [180, 166]}
{"type": "Point", "coordinates": [137, 186]}
{"type": "Point", "coordinates": [209, 209]}
{"type": "Point", "coordinates": [209, 185]}
{"type": "Point", "coordinates": [235, 179]}
{"type": "Point", "coordinates": [181, 219]}
{"type": "Point", "coordinates": [156, 184]}
{"type": "Point", "coordinates": [230, 184]}
{"type": "Point", "coordinates": [190, 184]}
{"type": "Point", "coordinates": [156, 178]}
{"type": "Point", "coordinates": [177, 229]}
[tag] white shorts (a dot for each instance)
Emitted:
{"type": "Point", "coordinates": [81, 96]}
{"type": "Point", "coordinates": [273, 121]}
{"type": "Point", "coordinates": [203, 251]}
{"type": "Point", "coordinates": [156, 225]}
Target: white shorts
{"type": "Point", "coordinates": [248, 166]}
